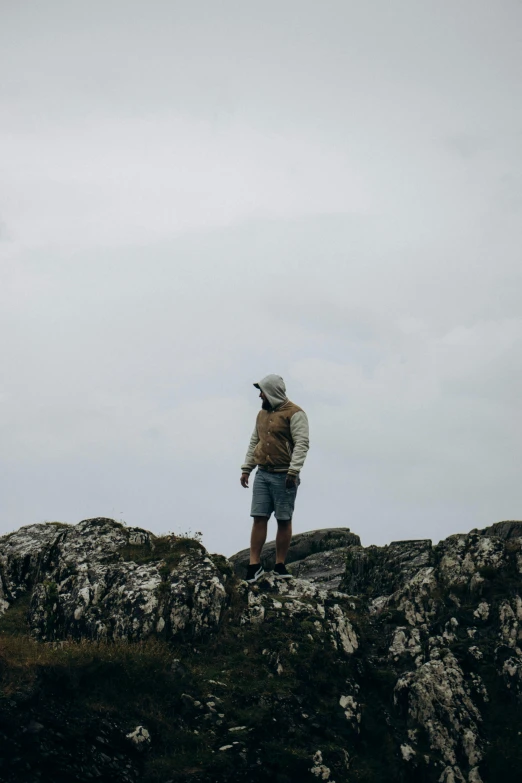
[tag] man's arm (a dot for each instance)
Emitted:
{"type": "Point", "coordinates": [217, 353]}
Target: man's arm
{"type": "Point", "coordinates": [249, 463]}
{"type": "Point", "coordinates": [300, 436]}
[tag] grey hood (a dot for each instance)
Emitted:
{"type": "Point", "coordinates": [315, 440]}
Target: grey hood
{"type": "Point", "coordinates": [273, 387]}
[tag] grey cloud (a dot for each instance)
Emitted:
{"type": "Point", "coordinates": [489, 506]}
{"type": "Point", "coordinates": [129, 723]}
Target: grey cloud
{"type": "Point", "coordinates": [468, 146]}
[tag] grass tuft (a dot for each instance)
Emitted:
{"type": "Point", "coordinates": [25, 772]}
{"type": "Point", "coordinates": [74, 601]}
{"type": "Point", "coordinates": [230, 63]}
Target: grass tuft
{"type": "Point", "coordinates": [169, 549]}
{"type": "Point", "coordinates": [14, 620]}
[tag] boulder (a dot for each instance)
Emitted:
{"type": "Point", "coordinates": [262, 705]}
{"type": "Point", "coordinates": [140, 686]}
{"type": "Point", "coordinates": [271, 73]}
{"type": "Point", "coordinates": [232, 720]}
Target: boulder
{"type": "Point", "coordinates": [326, 569]}
{"type": "Point", "coordinates": [101, 580]}
{"type": "Point", "coordinates": [302, 546]}
{"type": "Point", "coordinates": [508, 529]}
{"type": "Point", "coordinates": [377, 570]}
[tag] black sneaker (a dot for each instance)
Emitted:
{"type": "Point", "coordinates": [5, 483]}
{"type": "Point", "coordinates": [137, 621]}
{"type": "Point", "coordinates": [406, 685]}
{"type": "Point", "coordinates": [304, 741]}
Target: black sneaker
{"type": "Point", "coordinates": [281, 572]}
{"type": "Point", "coordinates": [254, 572]}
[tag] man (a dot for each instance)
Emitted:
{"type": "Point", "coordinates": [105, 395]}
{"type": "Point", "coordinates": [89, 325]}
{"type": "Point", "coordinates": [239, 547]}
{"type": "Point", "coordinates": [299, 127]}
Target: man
{"type": "Point", "coordinates": [278, 447]}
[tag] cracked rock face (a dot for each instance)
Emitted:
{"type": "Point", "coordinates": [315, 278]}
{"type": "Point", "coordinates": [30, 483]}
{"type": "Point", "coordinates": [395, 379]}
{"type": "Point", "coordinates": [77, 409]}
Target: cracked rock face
{"type": "Point", "coordinates": [23, 555]}
{"type": "Point", "coordinates": [325, 569]}
{"type": "Point", "coordinates": [270, 598]}
{"type": "Point", "coordinates": [443, 622]}
{"type": "Point", "coordinates": [449, 619]}
{"type": "Point", "coordinates": [82, 586]}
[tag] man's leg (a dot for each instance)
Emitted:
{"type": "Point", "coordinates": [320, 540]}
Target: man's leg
{"type": "Point", "coordinates": [283, 538]}
{"type": "Point", "coordinates": [257, 539]}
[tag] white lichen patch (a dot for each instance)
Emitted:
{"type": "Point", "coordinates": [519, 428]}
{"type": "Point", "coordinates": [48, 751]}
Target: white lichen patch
{"type": "Point", "coordinates": [406, 641]}
{"type": "Point", "coordinates": [319, 769]}
{"type": "Point", "coordinates": [341, 630]}
{"type": "Point", "coordinates": [440, 701]}
{"type": "Point", "coordinates": [398, 645]}
{"type": "Point", "coordinates": [509, 624]}
{"type": "Point", "coordinates": [482, 611]}
{"type": "Point", "coordinates": [351, 710]}
{"type": "Point", "coordinates": [407, 752]}
{"type": "Point", "coordinates": [139, 737]}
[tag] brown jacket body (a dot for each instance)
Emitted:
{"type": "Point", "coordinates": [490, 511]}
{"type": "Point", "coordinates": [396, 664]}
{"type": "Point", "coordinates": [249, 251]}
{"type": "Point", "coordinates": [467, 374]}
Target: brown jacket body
{"type": "Point", "coordinates": [280, 439]}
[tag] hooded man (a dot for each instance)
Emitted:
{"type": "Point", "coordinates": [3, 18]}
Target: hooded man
{"type": "Point", "coordinates": [278, 447]}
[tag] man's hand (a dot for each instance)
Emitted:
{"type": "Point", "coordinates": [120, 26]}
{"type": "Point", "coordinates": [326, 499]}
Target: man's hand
{"type": "Point", "coordinates": [244, 480]}
{"type": "Point", "coordinates": [291, 481]}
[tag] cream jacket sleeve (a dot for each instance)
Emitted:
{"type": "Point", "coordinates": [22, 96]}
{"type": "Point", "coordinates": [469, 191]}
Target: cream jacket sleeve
{"type": "Point", "coordinates": [249, 463]}
{"type": "Point", "coordinates": [301, 439]}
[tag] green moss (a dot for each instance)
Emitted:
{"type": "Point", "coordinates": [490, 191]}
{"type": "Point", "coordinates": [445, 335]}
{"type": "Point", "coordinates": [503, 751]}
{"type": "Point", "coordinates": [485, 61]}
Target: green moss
{"type": "Point", "coordinates": [223, 566]}
{"type": "Point", "coordinates": [170, 549]}
{"type": "Point", "coordinates": [137, 553]}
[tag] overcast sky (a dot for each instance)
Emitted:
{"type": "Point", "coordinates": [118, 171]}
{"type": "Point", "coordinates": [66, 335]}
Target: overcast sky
{"type": "Point", "coordinates": [196, 194]}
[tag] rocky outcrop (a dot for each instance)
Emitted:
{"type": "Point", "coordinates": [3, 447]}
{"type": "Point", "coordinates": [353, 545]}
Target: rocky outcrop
{"type": "Point", "coordinates": [508, 529]}
{"type": "Point", "coordinates": [326, 569]}
{"type": "Point", "coordinates": [272, 599]}
{"type": "Point", "coordinates": [101, 580]}
{"type": "Point", "coordinates": [318, 555]}
{"type": "Point", "coordinates": [391, 664]}
{"type": "Point", "coordinates": [376, 571]}
{"type": "Point", "coordinates": [22, 559]}
{"type": "Point", "coordinates": [448, 622]}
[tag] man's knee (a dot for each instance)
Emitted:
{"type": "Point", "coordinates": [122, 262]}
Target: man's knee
{"type": "Point", "coordinates": [284, 522]}
{"type": "Point", "coordinates": [260, 520]}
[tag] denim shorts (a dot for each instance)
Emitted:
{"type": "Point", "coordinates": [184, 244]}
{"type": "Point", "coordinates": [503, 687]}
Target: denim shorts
{"type": "Point", "coordinates": [270, 494]}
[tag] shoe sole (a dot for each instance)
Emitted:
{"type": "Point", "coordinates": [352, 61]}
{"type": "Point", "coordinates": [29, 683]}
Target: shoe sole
{"type": "Point", "coordinates": [257, 576]}
{"type": "Point", "coordinates": [282, 576]}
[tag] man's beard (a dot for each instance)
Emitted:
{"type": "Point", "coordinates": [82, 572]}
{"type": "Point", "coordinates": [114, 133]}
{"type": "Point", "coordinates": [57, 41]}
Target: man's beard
{"type": "Point", "coordinates": [266, 405]}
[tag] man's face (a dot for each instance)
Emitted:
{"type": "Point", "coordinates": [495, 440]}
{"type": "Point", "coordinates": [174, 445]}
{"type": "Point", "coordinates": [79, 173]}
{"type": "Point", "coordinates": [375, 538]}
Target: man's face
{"type": "Point", "coordinates": [265, 404]}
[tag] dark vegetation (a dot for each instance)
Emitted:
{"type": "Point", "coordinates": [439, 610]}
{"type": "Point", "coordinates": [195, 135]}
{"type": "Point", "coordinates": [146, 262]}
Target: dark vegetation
{"type": "Point", "coordinates": [189, 694]}
{"type": "Point", "coordinates": [170, 549]}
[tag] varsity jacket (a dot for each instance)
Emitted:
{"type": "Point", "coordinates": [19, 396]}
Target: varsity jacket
{"type": "Point", "coordinates": [280, 439]}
